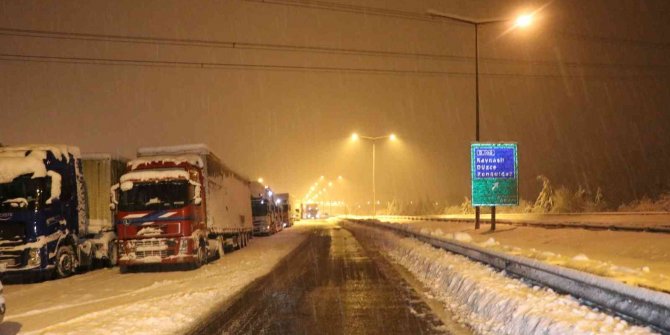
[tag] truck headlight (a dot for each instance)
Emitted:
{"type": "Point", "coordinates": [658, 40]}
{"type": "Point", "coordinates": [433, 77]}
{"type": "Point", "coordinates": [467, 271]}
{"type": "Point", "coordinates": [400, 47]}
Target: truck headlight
{"type": "Point", "coordinates": [34, 258]}
{"type": "Point", "coordinates": [183, 247]}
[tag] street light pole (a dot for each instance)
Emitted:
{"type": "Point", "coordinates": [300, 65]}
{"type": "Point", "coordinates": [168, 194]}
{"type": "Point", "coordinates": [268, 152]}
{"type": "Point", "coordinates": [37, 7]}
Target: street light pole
{"type": "Point", "coordinates": [374, 140]}
{"type": "Point", "coordinates": [374, 187]}
{"type": "Point", "coordinates": [521, 21]}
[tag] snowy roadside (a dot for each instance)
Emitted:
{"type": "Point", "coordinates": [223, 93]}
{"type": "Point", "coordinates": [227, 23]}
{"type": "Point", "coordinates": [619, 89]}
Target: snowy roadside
{"type": "Point", "coordinates": [622, 220]}
{"type": "Point", "coordinates": [635, 258]}
{"type": "Point", "coordinates": [488, 301]}
{"type": "Point", "coordinates": [106, 302]}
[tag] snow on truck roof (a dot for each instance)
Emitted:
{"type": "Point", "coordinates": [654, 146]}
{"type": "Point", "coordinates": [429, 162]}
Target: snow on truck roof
{"type": "Point", "coordinates": [198, 149]}
{"type": "Point", "coordinates": [185, 153]}
{"type": "Point", "coordinates": [25, 159]}
{"type": "Point", "coordinates": [12, 167]}
{"type": "Point", "coordinates": [178, 159]}
{"type": "Point", "coordinates": [102, 156]}
{"type": "Point", "coordinates": [58, 150]}
{"type": "Point", "coordinates": [154, 175]}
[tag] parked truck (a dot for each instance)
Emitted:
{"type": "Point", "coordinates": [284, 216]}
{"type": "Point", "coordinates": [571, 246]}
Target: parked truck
{"type": "Point", "coordinates": [44, 228]}
{"type": "Point", "coordinates": [180, 205]}
{"type": "Point", "coordinates": [284, 203]}
{"type": "Point", "coordinates": [265, 217]}
{"type": "Point", "coordinates": [101, 171]}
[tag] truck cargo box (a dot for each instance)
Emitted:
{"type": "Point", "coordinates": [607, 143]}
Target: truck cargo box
{"type": "Point", "coordinates": [227, 192]}
{"type": "Point", "coordinates": [101, 171]}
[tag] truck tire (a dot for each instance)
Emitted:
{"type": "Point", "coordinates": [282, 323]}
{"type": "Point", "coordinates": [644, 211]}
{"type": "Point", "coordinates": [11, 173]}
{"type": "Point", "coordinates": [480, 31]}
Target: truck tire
{"type": "Point", "coordinates": [221, 244]}
{"type": "Point", "coordinates": [112, 255]}
{"type": "Point", "coordinates": [123, 268]}
{"type": "Point", "coordinates": [65, 261]}
{"type": "Point", "coordinates": [201, 256]}
{"type": "Point", "coordinates": [238, 242]}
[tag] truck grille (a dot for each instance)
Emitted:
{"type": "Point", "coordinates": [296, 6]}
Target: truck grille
{"type": "Point", "coordinates": [149, 253]}
{"type": "Point", "coordinates": [12, 231]}
{"type": "Point", "coordinates": [151, 248]}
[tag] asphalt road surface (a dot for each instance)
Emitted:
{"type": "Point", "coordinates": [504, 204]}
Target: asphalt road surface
{"type": "Point", "coordinates": [330, 285]}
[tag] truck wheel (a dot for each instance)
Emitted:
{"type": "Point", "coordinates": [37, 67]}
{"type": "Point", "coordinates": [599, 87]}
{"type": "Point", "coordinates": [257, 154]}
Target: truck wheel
{"type": "Point", "coordinates": [113, 255]}
{"type": "Point", "coordinates": [65, 262]}
{"type": "Point", "coordinates": [201, 257]}
{"type": "Point", "coordinates": [238, 242]}
{"type": "Point", "coordinates": [221, 247]}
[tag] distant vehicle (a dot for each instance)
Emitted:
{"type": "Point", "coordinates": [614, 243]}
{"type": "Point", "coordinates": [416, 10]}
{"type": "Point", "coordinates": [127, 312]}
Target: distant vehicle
{"type": "Point", "coordinates": [311, 211]}
{"type": "Point", "coordinates": [180, 205]}
{"type": "Point", "coordinates": [44, 226]}
{"type": "Point", "coordinates": [284, 204]}
{"type": "Point", "coordinates": [265, 217]}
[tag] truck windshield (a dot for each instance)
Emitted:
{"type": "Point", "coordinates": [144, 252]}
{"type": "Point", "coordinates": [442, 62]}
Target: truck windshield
{"type": "Point", "coordinates": [162, 195]}
{"type": "Point", "coordinates": [259, 208]}
{"type": "Point", "coordinates": [23, 192]}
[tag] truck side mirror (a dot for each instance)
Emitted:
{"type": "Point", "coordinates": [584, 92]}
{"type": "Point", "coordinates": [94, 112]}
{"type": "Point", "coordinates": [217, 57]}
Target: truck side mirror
{"type": "Point", "coordinates": [197, 201]}
{"type": "Point", "coordinates": [112, 207]}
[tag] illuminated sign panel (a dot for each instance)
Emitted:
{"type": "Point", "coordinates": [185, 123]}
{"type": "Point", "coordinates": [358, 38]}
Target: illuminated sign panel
{"type": "Point", "coordinates": [494, 174]}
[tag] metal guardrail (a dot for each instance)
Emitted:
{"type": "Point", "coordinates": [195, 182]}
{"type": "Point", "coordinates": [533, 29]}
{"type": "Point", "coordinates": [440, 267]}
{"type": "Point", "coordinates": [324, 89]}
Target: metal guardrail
{"type": "Point", "coordinates": [548, 225]}
{"type": "Point", "coordinates": [648, 307]}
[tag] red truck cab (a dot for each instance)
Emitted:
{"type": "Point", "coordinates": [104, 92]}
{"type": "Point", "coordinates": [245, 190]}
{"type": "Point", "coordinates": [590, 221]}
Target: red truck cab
{"type": "Point", "coordinates": [161, 212]}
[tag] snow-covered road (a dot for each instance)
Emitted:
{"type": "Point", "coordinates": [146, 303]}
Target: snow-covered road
{"type": "Point", "coordinates": [107, 302]}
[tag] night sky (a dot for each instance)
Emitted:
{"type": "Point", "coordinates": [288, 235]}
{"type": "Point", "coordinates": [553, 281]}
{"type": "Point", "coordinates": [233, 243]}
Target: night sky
{"type": "Point", "coordinates": [276, 88]}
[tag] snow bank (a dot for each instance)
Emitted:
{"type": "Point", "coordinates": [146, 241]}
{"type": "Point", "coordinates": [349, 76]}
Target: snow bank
{"type": "Point", "coordinates": [180, 159]}
{"type": "Point", "coordinates": [491, 303]}
{"type": "Point", "coordinates": [172, 302]}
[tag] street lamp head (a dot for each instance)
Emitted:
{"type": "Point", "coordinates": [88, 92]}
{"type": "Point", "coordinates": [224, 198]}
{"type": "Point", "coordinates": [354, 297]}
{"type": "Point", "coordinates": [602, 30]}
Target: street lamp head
{"type": "Point", "coordinates": [392, 137]}
{"type": "Point", "coordinates": [354, 137]}
{"type": "Point", "coordinates": [523, 21]}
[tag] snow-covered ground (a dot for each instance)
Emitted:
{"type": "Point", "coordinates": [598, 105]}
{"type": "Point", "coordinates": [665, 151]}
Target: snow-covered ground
{"type": "Point", "coordinates": [636, 258]}
{"type": "Point", "coordinates": [487, 300]}
{"type": "Point", "coordinates": [638, 220]}
{"type": "Point", "coordinates": [107, 302]}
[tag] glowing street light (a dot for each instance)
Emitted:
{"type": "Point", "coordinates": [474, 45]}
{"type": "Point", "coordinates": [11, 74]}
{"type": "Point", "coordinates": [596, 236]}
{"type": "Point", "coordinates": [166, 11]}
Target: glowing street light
{"type": "Point", "coordinates": [260, 180]}
{"type": "Point", "coordinates": [524, 20]}
{"type": "Point", "coordinates": [392, 137]}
